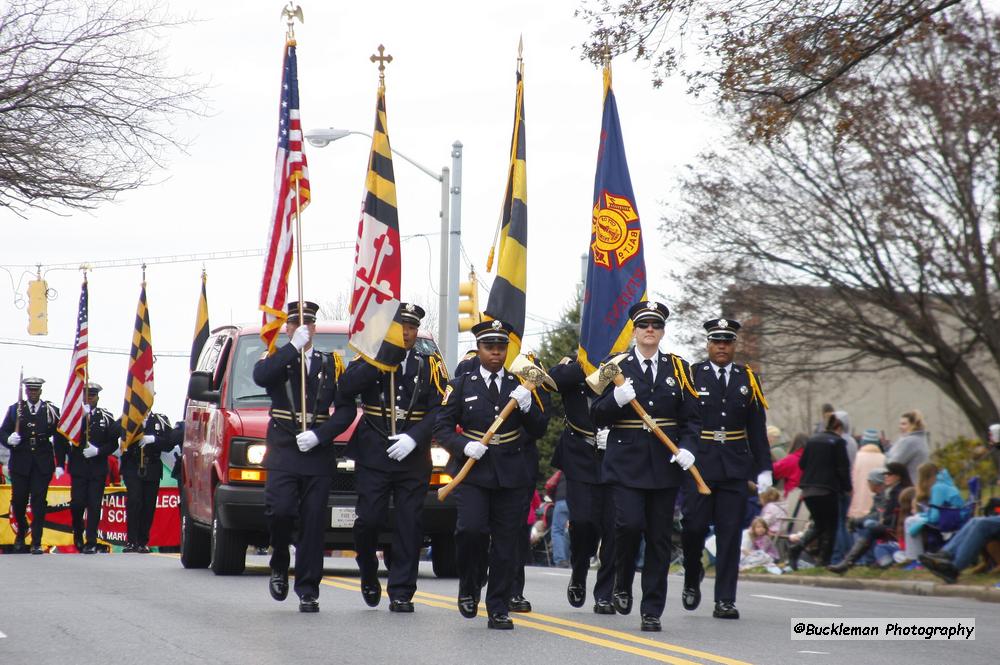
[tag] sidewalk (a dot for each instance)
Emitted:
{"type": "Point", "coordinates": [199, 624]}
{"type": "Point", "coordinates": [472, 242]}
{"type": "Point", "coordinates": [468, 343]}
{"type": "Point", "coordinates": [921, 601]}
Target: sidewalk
{"type": "Point", "coordinates": [989, 594]}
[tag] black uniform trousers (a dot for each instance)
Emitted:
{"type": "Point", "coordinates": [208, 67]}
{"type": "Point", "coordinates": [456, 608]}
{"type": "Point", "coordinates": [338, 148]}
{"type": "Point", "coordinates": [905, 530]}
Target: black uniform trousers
{"type": "Point", "coordinates": [724, 508]}
{"type": "Point", "coordinates": [523, 544]}
{"type": "Point", "coordinates": [592, 512]}
{"type": "Point", "coordinates": [33, 486]}
{"type": "Point", "coordinates": [375, 488]}
{"type": "Point", "coordinates": [650, 512]}
{"type": "Point", "coordinates": [489, 521]}
{"type": "Point", "coordinates": [287, 496]}
{"type": "Point", "coordinates": [140, 504]}
{"type": "Point", "coordinates": [86, 493]}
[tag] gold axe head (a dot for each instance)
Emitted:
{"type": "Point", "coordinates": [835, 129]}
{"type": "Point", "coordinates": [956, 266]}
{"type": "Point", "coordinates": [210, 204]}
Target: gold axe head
{"type": "Point", "coordinates": [605, 374]}
{"type": "Point", "coordinates": [530, 372]}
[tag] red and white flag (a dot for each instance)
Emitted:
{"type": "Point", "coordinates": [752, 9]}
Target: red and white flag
{"type": "Point", "coordinates": [71, 417]}
{"type": "Point", "coordinates": [291, 178]}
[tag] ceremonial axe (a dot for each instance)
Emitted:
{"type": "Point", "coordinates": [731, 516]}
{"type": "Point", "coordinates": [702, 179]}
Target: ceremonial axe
{"type": "Point", "coordinates": [610, 372]}
{"type": "Point", "coordinates": [533, 376]}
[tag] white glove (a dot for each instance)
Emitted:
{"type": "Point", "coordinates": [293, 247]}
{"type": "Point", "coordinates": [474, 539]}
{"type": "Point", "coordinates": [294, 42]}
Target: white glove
{"type": "Point", "coordinates": [307, 440]}
{"type": "Point", "coordinates": [475, 450]}
{"type": "Point", "coordinates": [147, 439]}
{"type": "Point", "coordinates": [86, 409]}
{"type": "Point", "coordinates": [403, 446]}
{"type": "Point", "coordinates": [90, 451]}
{"type": "Point", "coordinates": [624, 393]}
{"type": "Point", "coordinates": [523, 397]}
{"type": "Point", "coordinates": [13, 439]}
{"type": "Point", "coordinates": [60, 472]}
{"type": "Point", "coordinates": [602, 438]}
{"type": "Point", "coordinates": [684, 458]}
{"type": "Point", "coordinates": [764, 481]}
{"type": "Point", "coordinates": [300, 338]}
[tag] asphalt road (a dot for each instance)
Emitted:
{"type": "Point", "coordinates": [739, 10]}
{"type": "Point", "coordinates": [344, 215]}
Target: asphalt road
{"type": "Point", "coordinates": [146, 609]}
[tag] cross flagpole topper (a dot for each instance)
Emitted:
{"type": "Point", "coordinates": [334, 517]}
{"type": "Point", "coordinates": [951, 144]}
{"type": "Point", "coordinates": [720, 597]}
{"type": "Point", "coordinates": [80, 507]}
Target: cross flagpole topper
{"type": "Point", "coordinates": [382, 59]}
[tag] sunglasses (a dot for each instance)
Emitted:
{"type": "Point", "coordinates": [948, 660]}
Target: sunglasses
{"type": "Point", "coordinates": [655, 325]}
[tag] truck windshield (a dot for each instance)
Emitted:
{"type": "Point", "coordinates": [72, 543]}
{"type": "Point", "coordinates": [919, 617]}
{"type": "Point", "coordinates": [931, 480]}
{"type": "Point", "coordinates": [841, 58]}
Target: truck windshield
{"type": "Point", "coordinates": [244, 393]}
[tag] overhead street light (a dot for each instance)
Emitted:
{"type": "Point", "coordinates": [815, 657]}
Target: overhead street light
{"type": "Point", "coordinates": [447, 301]}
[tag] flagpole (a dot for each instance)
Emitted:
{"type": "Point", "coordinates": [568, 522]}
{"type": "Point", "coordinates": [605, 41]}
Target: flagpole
{"type": "Point", "coordinates": [290, 13]}
{"type": "Point", "coordinates": [86, 365]}
{"type": "Point", "coordinates": [20, 402]}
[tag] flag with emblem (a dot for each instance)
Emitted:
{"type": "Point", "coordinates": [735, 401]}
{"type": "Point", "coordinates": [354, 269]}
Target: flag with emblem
{"type": "Point", "coordinates": [139, 381]}
{"type": "Point", "coordinates": [507, 295]}
{"type": "Point", "coordinates": [291, 196]}
{"type": "Point", "coordinates": [200, 325]}
{"type": "Point", "coordinates": [71, 416]}
{"type": "Point", "coordinates": [374, 333]}
{"type": "Point", "coordinates": [616, 271]}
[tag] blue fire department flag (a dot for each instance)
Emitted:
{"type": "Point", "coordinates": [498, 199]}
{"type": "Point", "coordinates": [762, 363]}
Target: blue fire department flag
{"type": "Point", "coordinates": [616, 273]}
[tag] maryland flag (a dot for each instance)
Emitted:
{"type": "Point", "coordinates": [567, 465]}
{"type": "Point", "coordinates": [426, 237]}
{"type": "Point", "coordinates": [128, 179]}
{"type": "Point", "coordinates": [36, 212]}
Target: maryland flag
{"type": "Point", "coordinates": [200, 325]}
{"type": "Point", "coordinates": [139, 382]}
{"type": "Point", "coordinates": [373, 331]}
{"type": "Point", "coordinates": [507, 296]}
{"type": "Point", "coordinates": [616, 273]}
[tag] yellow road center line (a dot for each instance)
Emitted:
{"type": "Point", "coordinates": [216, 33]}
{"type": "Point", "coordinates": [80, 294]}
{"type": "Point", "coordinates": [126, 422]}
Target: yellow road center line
{"type": "Point", "coordinates": [353, 584]}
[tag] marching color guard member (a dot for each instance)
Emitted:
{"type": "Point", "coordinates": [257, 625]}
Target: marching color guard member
{"type": "Point", "coordinates": [580, 455]}
{"type": "Point", "coordinates": [88, 468]}
{"type": "Point", "coordinates": [299, 463]}
{"type": "Point", "coordinates": [27, 431]}
{"type": "Point", "coordinates": [141, 471]}
{"type": "Point", "coordinates": [732, 450]}
{"type": "Point", "coordinates": [643, 473]}
{"type": "Point", "coordinates": [393, 462]}
{"type": "Point", "coordinates": [491, 499]}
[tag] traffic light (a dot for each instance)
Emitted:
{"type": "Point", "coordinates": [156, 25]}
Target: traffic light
{"type": "Point", "coordinates": [38, 307]}
{"type": "Point", "coordinates": [468, 303]}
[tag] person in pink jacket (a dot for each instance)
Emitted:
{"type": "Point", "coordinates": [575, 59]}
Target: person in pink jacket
{"type": "Point", "coordinates": [869, 457]}
{"type": "Point", "coordinates": [787, 468]}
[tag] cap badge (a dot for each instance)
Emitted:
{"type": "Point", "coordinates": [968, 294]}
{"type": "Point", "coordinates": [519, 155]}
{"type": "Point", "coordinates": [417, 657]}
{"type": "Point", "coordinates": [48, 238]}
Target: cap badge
{"type": "Point", "coordinates": [409, 307]}
{"type": "Point", "coordinates": [496, 325]}
{"type": "Point", "coordinates": [723, 323]}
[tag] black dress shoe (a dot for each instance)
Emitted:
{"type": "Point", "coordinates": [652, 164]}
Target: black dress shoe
{"type": "Point", "coordinates": [308, 604]}
{"type": "Point", "coordinates": [89, 549]}
{"type": "Point", "coordinates": [468, 606]}
{"type": "Point", "coordinates": [37, 549]}
{"type": "Point", "coordinates": [604, 607]}
{"type": "Point", "coordinates": [499, 621]}
{"type": "Point", "coordinates": [128, 549]}
{"type": "Point", "coordinates": [650, 624]}
{"type": "Point", "coordinates": [576, 594]}
{"type": "Point", "coordinates": [691, 596]}
{"type": "Point", "coordinates": [20, 547]}
{"type": "Point", "coordinates": [371, 591]}
{"type": "Point", "coordinates": [622, 602]}
{"type": "Point", "coordinates": [142, 549]}
{"type": "Point", "coordinates": [397, 605]}
{"type": "Point", "coordinates": [519, 604]}
{"type": "Point", "coordinates": [278, 586]}
{"type": "Point", "coordinates": [725, 609]}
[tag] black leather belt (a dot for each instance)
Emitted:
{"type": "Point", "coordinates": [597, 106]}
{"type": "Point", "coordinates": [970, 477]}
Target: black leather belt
{"type": "Point", "coordinates": [281, 414]}
{"type": "Point", "coordinates": [721, 435]}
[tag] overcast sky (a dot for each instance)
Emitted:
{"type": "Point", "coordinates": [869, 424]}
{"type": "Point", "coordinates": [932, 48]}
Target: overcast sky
{"type": "Point", "coordinates": [452, 77]}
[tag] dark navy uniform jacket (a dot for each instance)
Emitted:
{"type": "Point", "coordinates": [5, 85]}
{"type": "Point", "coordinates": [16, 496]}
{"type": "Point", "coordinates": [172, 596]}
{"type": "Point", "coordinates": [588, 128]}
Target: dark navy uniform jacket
{"type": "Point", "coordinates": [418, 398]}
{"type": "Point", "coordinates": [468, 404]}
{"type": "Point", "coordinates": [103, 432]}
{"type": "Point", "coordinates": [279, 374]}
{"type": "Point", "coordinates": [37, 432]}
{"type": "Point", "coordinates": [576, 452]}
{"type": "Point", "coordinates": [635, 457]}
{"type": "Point", "coordinates": [148, 456]}
{"type": "Point", "coordinates": [733, 441]}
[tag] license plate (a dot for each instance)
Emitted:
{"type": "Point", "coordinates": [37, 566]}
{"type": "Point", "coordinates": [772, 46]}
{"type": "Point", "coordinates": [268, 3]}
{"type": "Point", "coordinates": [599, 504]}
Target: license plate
{"type": "Point", "coordinates": [342, 518]}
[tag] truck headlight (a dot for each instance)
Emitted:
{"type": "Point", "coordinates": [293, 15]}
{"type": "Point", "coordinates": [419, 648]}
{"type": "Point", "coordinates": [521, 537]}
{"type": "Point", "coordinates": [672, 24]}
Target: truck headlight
{"type": "Point", "coordinates": [439, 456]}
{"type": "Point", "coordinates": [255, 453]}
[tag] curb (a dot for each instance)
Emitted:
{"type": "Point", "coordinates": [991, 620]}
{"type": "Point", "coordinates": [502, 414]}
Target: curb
{"type": "Point", "coordinates": [906, 587]}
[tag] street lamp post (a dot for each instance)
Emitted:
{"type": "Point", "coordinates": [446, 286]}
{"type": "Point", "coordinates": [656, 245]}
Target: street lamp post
{"type": "Point", "coordinates": [448, 302]}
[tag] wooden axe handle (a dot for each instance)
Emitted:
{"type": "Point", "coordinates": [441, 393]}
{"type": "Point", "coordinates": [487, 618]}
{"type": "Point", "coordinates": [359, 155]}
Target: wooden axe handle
{"type": "Point", "coordinates": [464, 471]}
{"type": "Point", "coordinates": [661, 435]}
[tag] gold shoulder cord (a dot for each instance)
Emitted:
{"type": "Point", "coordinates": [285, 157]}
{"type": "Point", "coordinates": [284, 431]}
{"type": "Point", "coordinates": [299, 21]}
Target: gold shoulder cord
{"type": "Point", "coordinates": [681, 375]}
{"type": "Point", "coordinates": [755, 387]}
{"type": "Point", "coordinates": [438, 373]}
{"type": "Point", "coordinates": [338, 365]}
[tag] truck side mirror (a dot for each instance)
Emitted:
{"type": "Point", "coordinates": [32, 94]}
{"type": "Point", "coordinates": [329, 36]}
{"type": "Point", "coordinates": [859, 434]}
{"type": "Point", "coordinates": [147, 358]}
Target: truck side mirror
{"type": "Point", "coordinates": [200, 388]}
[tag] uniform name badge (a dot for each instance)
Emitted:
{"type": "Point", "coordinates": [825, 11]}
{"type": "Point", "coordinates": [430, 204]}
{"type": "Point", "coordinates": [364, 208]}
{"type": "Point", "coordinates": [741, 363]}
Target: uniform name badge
{"type": "Point", "coordinates": [719, 435]}
{"type": "Point", "coordinates": [400, 413]}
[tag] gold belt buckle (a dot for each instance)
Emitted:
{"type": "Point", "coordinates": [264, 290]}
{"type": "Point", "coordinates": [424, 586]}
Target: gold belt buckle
{"type": "Point", "coordinates": [400, 413]}
{"type": "Point", "coordinates": [719, 435]}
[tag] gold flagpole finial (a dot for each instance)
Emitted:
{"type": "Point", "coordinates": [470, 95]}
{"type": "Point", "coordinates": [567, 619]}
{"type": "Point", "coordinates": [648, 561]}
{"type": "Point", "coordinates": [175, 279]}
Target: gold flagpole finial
{"type": "Point", "coordinates": [143, 273]}
{"type": "Point", "coordinates": [520, 47]}
{"type": "Point", "coordinates": [290, 13]}
{"type": "Point", "coordinates": [605, 54]}
{"type": "Point", "coordinates": [382, 59]}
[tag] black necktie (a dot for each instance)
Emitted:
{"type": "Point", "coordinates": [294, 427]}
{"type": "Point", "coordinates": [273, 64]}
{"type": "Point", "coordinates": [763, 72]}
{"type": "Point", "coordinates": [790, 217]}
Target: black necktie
{"type": "Point", "coordinates": [648, 372]}
{"type": "Point", "coordinates": [722, 378]}
{"type": "Point", "coordinates": [494, 387]}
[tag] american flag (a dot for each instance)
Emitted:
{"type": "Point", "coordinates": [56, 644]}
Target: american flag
{"type": "Point", "coordinates": [71, 419]}
{"type": "Point", "coordinates": [289, 167]}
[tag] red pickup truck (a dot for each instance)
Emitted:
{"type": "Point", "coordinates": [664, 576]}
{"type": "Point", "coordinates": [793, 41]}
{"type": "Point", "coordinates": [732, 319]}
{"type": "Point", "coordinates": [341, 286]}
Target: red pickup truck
{"type": "Point", "coordinates": [222, 482]}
